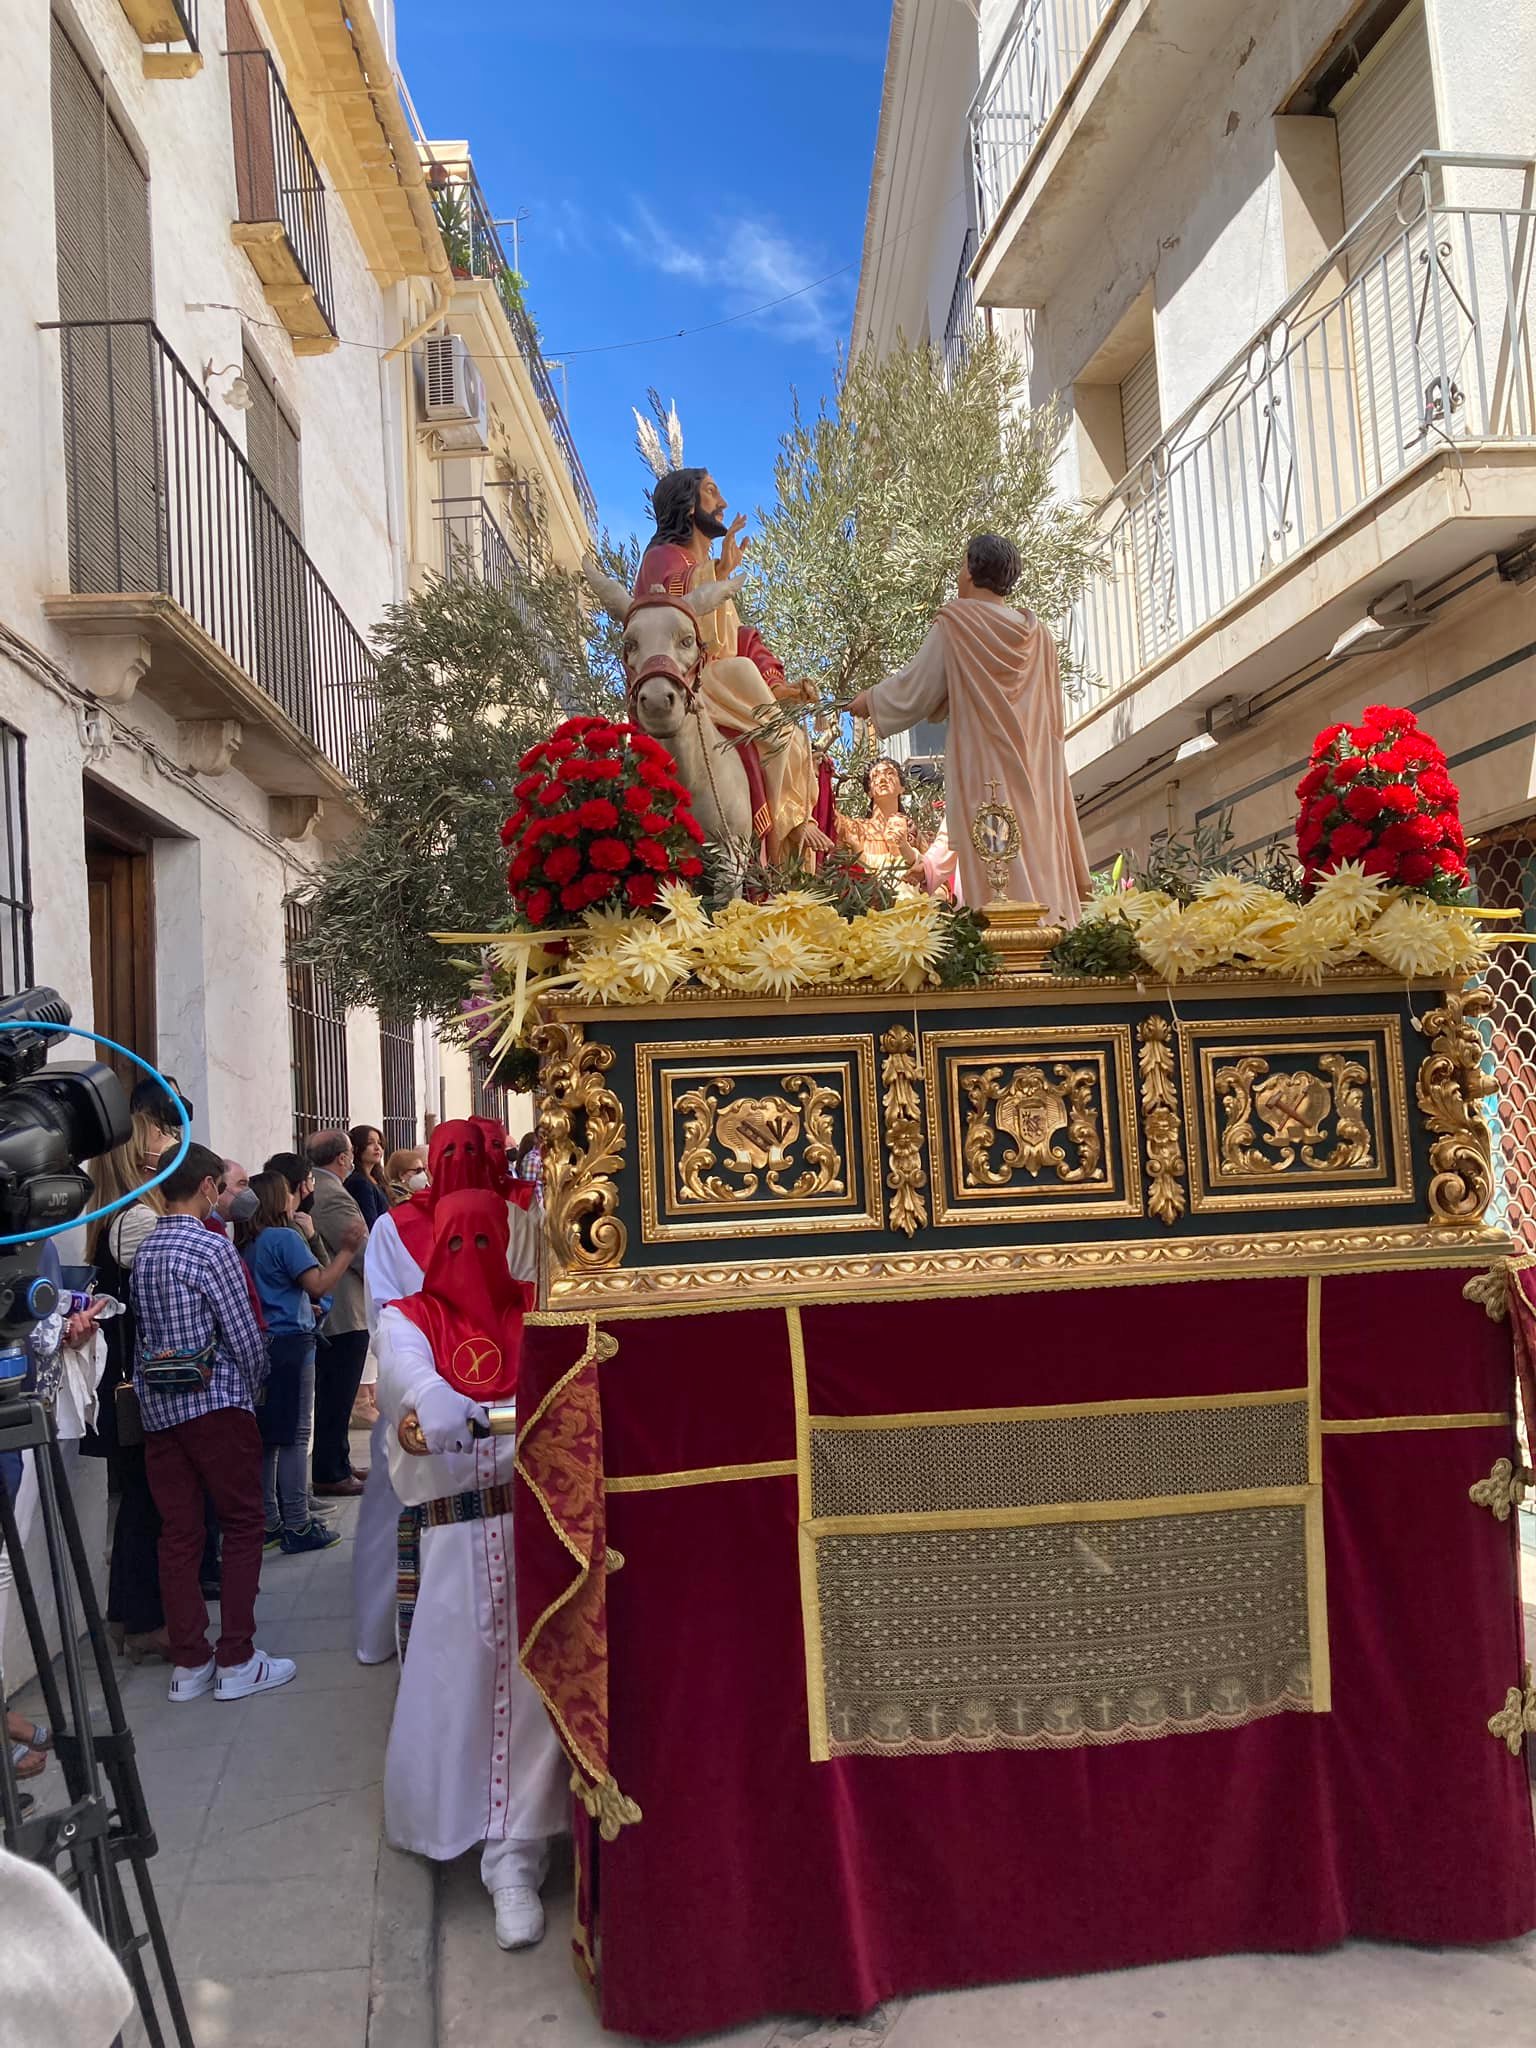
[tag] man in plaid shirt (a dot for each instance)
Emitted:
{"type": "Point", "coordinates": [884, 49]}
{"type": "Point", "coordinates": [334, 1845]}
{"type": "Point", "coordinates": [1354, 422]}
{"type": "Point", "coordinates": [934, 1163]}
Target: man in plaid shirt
{"type": "Point", "coordinates": [193, 1310]}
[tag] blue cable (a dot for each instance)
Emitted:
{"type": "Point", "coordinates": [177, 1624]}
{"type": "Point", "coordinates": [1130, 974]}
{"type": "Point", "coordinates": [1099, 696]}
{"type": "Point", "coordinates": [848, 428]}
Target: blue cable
{"type": "Point", "coordinates": [123, 1201]}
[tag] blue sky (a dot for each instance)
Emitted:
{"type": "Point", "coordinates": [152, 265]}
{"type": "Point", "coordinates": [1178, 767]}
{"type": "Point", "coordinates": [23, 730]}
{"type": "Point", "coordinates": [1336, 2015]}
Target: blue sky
{"type": "Point", "coordinates": [677, 163]}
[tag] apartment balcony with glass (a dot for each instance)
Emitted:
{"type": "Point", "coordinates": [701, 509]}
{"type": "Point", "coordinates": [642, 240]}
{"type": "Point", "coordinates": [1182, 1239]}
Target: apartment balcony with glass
{"type": "Point", "coordinates": [1379, 428]}
{"type": "Point", "coordinates": [475, 251]}
{"type": "Point", "coordinates": [188, 582]}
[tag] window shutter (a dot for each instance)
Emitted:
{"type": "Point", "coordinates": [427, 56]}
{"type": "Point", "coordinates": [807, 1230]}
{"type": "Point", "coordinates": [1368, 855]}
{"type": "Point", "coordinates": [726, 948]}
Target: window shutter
{"type": "Point", "coordinates": [1385, 118]}
{"type": "Point", "coordinates": [101, 205]}
{"type": "Point", "coordinates": [1385, 114]}
{"type": "Point", "coordinates": [1140, 411]}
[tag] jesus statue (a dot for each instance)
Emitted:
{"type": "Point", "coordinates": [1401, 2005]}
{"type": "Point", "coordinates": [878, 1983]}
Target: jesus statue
{"type": "Point", "coordinates": [990, 670]}
{"type": "Point", "coordinates": [743, 678]}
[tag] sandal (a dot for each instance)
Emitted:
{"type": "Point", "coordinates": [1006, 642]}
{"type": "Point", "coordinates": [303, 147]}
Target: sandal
{"type": "Point", "coordinates": [26, 1762]}
{"type": "Point", "coordinates": [27, 1734]}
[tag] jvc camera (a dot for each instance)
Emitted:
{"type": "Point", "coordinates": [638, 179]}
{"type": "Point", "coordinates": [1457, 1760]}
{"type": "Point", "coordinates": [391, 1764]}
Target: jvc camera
{"type": "Point", "coordinates": [51, 1119]}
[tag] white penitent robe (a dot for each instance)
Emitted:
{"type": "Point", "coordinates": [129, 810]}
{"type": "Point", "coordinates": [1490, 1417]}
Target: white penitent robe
{"type": "Point", "coordinates": [992, 673]}
{"type": "Point", "coordinates": [472, 1756]}
{"type": "Point", "coordinates": [391, 1274]}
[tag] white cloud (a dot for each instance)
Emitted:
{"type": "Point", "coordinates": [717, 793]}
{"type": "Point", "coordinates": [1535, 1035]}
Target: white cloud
{"type": "Point", "coordinates": [748, 262]}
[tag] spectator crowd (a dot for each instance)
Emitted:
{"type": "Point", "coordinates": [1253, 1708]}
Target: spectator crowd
{"type": "Point", "coordinates": [233, 1376]}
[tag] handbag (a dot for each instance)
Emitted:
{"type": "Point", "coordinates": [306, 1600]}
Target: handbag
{"type": "Point", "coordinates": [128, 1415]}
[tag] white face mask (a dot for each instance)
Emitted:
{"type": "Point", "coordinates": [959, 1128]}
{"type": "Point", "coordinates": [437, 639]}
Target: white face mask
{"type": "Point", "coordinates": [416, 1181]}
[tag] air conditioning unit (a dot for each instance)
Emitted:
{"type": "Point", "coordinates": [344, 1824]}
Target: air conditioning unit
{"type": "Point", "coordinates": [453, 396]}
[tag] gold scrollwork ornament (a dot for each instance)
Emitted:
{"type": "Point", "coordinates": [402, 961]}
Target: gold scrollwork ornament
{"type": "Point", "coordinates": [1031, 1110]}
{"type": "Point", "coordinates": [1517, 1717]}
{"type": "Point", "coordinates": [900, 1073]}
{"type": "Point", "coordinates": [1293, 1106]}
{"type": "Point", "coordinates": [1160, 1117]}
{"type": "Point", "coordinates": [581, 1140]}
{"type": "Point", "coordinates": [757, 1134]}
{"type": "Point", "coordinates": [1450, 1085]}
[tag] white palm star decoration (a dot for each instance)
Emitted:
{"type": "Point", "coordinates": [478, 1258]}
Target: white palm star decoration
{"type": "Point", "coordinates": [660, 456]}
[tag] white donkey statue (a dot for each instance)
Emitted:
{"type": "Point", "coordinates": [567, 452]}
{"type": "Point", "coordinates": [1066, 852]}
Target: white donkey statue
{"type": "Point", "coordinates": [664, 658]}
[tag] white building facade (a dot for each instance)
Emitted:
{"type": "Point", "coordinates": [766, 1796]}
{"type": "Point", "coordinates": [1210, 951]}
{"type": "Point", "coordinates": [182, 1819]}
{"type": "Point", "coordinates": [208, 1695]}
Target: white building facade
{"type": "Point", "coordinates": [1276, 265]}
{"type": "Point", "coordinates": [225, 274]}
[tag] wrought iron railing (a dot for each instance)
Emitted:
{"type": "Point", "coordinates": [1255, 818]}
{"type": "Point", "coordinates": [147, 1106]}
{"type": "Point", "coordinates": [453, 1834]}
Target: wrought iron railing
{"type": "Point", "coordinates": [474, 545]}
{"type": "Point", "coordinates": [162, 499]}
{"type": "Point", "coordinates": [1041, 47]}
{"type": "Point", "coordinates": [960, 327]}
{"type": "Point", "coordinates": [186, 13]}
{"type": "Point", "coordinates": [1414, 336]}
{"type": "Point", "coordinates": [474, 250]}
{"type": "Point", "coordinates": [276, 177]}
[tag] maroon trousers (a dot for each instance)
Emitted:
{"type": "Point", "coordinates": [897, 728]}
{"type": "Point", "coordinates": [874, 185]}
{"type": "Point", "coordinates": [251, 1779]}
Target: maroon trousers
{"type": "Point", "coordinates": [220, 1455]}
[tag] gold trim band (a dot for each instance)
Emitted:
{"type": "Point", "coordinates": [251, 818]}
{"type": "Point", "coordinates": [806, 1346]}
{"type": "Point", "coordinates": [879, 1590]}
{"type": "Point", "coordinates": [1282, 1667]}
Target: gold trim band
{"type": "Point", "coordinates": [1139, 1262]}
{"type": "Point", "coordinates": [700, 1475]}
{"type": "Point", "coordinates": [1053, 1513]}
{"type": "Point", "coordinates": [1380, 1425]}
{"type": "Point", "coordinates": [1150, 1404]}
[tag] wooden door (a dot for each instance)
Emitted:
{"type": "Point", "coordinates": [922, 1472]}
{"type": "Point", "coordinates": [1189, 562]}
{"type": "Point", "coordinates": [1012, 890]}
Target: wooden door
{"type": "Point", "coordinates": [122, 950]}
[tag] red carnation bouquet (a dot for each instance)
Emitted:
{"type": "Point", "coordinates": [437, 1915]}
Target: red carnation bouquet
{"type": "Point", "coordinates": [1378, 793]}
{"type": "Point", "coordinates": [601, 818]}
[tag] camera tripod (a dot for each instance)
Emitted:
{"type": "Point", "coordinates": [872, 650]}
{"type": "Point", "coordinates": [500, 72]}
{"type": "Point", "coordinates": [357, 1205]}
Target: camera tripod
{"type": "Point", "coordinates": [105, 1822]}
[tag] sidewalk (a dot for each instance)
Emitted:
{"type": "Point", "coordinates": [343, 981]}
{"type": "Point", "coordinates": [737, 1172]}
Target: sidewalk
{"type": "Point", "coordinates": [291, 1921]}
{"type": "Point", "coordinates": [289, 1918]}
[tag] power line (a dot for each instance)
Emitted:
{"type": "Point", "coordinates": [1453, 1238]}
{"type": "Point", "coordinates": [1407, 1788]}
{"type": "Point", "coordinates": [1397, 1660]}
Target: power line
{"type": "Point", "coordinates": [605, 348]}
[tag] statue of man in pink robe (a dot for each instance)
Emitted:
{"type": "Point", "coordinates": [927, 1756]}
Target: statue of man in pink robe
{"type": "Point", "coordinates": [991, 671]}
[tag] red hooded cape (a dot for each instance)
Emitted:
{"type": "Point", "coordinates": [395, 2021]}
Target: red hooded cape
{"type": "Point", "coordinates": [470, 1309]}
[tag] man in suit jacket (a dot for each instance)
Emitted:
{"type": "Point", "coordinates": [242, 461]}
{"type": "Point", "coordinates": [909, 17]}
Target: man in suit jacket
{"type": "Point", "coordinates": [342, 1350]}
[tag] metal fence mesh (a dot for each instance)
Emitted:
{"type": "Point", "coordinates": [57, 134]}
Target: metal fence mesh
{"type": "Point", "coordinates": [1504, 867]}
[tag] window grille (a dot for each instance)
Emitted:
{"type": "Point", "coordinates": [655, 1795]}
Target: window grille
{"type": "Point", "coordinates": [487, 1098]}
{"type": "Point", "coordinates": [15, 867]}
{"type": "Point", "coordinates": [317, 1037]}
{"type": "Point", "coordinates": [397, 1062]}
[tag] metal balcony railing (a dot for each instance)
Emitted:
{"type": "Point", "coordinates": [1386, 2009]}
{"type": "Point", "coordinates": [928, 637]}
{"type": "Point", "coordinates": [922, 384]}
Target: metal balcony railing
{"type": "Point", "coordinates": [1414, 336]}
{"type": "Point", "coordinates": [474, 250]}
{"type": "Point", "coordinates": [960, 327]}
{"type": "Point", "coordinates": [1041, 47]}
{"type": "Point", "coordinates": [475, 545]}
{"type": "Point", "coordinates": [161, 499]}
{"type": "Point", "coordinates": [276, 177]}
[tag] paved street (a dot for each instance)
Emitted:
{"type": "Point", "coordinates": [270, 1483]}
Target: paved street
{"type": "Point", "coordinates": [290, 1919]}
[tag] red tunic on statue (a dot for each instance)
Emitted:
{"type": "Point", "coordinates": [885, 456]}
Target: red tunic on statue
{"type": "Point", "coordinates": [665, 566]}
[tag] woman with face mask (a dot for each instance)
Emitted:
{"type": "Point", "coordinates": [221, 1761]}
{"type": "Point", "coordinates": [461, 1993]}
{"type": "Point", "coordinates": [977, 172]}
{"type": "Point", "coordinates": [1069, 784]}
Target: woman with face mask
{"type": "Point", "coordinates": [443, 1355]}
{"type": "Point", "coordinates": [405, 1172]}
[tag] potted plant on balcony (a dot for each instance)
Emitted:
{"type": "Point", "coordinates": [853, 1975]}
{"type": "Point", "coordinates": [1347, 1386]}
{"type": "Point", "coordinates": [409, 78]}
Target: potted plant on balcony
{"type": "Point", "coordinates": [450, 203]}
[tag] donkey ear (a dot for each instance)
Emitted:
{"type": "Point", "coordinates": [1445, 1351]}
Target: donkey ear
{"type": "Point", "coordinates": [608, 590]}
{"type": "Point", "coordinates": [705, 598]}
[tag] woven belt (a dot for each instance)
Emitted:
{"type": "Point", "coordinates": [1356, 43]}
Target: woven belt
{"type": "Point", "coordinates": [435, 1514]}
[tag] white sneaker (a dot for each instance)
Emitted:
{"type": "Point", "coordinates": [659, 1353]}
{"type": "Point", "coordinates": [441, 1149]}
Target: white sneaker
{"type": "Point", "coordinates": [191, 1681]}
{"type": "Point", "coordinates": [259, 1673]}
{"type": "Point", "coordinates": [519, 1917]}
